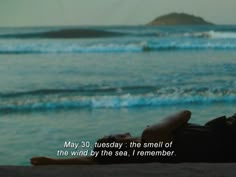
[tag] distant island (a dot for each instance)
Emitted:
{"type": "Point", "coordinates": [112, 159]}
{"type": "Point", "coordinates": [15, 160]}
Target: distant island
{"type": "Point", "coordinates": [179, 19]}
{"type": "Point", "coordinates": [67, 33]}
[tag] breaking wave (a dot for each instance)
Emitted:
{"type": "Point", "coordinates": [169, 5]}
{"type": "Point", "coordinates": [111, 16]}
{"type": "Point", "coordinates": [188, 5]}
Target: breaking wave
{"type": "Point", "coordinates": [212, 34]}
{"type": "Point", "coordinates": [19, 47]}
{"type": "Point", "coordinates": [44, 100]}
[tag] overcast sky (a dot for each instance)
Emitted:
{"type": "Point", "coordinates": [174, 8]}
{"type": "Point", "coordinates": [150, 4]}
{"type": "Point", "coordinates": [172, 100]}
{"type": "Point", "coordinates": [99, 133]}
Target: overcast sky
{"type": "Point", "coordinates": [109, 12]}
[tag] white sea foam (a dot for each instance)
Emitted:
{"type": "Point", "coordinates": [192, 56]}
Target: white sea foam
{"type": "Point", "coordinates": [225, 35]}
{"type": "Point", "coordinates": [29, 102]}
{"type": "Point", "coordinates": [211, 34]}
{"type": "Point", "coordinates": [104, 47]}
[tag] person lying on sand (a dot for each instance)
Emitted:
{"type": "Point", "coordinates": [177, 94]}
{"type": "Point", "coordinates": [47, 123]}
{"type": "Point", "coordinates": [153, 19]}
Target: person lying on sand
{"type": "Point", "coordinates": [212, 142]}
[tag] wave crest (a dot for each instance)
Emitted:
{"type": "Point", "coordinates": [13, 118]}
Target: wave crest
{"type": "Point", "coordinates": [115, 99]}
{"type": "Point", "coordinates": [142, 46]}
{"type": "Point", "coordinates": [212, 34]}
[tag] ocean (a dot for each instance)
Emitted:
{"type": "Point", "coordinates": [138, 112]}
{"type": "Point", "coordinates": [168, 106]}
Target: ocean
{"type": "Point", "coordinates": [56, 88]}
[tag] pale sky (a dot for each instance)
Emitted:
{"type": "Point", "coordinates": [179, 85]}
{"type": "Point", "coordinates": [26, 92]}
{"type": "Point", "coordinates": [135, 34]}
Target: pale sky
{"type": "Point", "coordinates": [109, 12]}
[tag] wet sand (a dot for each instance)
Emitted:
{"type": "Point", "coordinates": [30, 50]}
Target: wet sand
{"type": "Point", "coordinates": [124, 170]}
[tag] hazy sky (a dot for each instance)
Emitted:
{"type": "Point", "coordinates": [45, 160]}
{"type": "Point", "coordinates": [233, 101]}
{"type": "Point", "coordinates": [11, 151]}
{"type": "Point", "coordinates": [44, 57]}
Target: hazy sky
{"type": "Point", "coordinates": [109, 12]}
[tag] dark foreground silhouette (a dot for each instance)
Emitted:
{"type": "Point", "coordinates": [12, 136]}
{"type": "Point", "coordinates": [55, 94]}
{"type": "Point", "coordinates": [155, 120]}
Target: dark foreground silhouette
{"type": "Point", "coordinates": [212, 142]}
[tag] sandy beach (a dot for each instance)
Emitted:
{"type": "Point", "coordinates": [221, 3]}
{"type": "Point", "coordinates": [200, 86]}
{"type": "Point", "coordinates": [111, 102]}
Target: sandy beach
{"type": "Point", "coordinates": [124, 170]}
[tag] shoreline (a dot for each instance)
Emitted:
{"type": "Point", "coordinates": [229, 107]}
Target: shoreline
{"type": "Point", "coordinates": [124, 170]}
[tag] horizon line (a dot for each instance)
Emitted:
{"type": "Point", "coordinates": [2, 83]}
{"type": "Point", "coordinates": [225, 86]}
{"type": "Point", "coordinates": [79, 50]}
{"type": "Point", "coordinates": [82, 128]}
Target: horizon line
{"type": "Point", "coordinates": [104, 25]}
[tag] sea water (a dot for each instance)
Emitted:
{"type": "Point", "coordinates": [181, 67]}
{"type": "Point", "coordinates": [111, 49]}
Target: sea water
{"type": "Point", "coordinates": [80, 89]}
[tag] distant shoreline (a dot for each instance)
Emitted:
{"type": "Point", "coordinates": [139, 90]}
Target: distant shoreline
{"type": "Point", "coordinates": [66, 33]}
{"type": "Point", "coordinates": [76, 32]}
